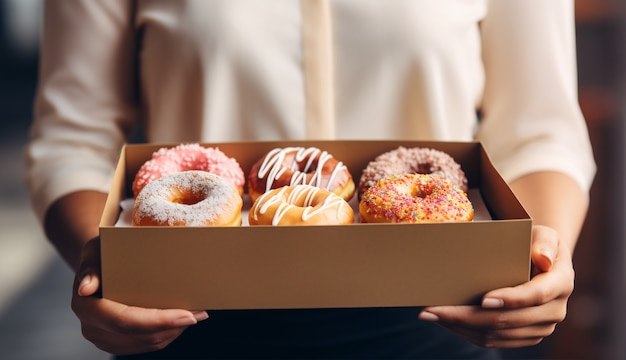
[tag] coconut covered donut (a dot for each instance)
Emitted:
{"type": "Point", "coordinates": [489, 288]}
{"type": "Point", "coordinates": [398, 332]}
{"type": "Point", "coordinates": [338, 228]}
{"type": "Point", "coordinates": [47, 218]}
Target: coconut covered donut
{"type": "Point", "coordinates": [188, 198]}
{"type": "Point", "coordinates": [416, 160]}
{"type": "Point", "coordinates": [300, 165]}
{"type": "Point", "coordinates": [167, 161]}
{"type": "Point", "coordinates": [414, 198]}
{"type": "Point", "coordinates": [300, 205]}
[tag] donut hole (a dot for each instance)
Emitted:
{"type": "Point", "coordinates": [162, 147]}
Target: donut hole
{"type": "Point", "coordinates": [423, 168]}
{"type": "Point", "coordinates": [187, 198]}
{"type": "Point", "coordinates": [314, 203]}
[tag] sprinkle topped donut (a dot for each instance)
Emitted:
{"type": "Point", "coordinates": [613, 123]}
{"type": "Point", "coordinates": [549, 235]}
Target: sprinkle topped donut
{"type": "Point", "coordinates": [167, 161]}
{"type": "Point", "coordinates": [300, 166]}
{"type": "Point", "coordinates": [414, 198]}
{"type": "Point", "coordinates": [416, 160]}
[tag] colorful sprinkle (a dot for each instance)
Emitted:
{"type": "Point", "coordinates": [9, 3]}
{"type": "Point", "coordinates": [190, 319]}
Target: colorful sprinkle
{"type": "Point", "coordinates": [414, 198]}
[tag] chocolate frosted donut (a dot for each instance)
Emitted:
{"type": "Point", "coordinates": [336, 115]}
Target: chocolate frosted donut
{"type": "Point", "coordinates": [300, 165]}
{"type": "Point", "coordinates": [413, 161]}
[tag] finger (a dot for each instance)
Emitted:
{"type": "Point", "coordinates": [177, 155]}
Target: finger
{"type": "Point", "coordinates": [475, 317]}
{"type": "Point", "coordinates": [130, 319]}
{"type": "Point", "coordinates": [87, 280]}
{"type": "Point", "coordinates": [553, 275]}
{"type": "Point", "coordinates": [90, 257]}
{"type": "Point", "coordinates": [545, 242]}
{"type": "Point", "coordinates": [504, 338]}
{"type": "Point", "coordinates": [119, 318]}
{"type": "Point", "coordinates": [558, 283]}
{"type": "Point", "coordinates": [131, 343]}
{"type": "Point", "coordinates": [88, 285]}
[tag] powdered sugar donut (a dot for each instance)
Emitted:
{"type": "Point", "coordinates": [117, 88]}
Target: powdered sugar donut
{"type": "Point", "coordinates": [167, 161]}
{"type": "Point", "coordinates": [188, 198]}
{"type": "Point", "coordinates": [416, 160]}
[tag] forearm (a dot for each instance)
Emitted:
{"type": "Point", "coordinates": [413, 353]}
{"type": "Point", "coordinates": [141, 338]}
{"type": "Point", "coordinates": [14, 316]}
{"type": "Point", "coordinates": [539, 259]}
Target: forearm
{"type": "Point", "coordinates": [73, 220]}
{"type": "Point", "coordinates": [554, 200]}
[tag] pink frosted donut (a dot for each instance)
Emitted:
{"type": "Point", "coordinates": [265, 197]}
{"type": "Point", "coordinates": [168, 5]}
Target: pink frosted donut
{"type": "Point", "coordinates": [417, 160]}
{"type": "Point", "coordinates": [167, 161]}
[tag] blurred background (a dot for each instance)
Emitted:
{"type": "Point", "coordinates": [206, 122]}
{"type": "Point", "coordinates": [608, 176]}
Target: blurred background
{"type": "Point", "coordinates": [35, 285]}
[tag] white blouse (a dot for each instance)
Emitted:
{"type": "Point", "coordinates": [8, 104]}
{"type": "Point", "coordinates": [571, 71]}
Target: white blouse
{"type": "Point", "coordinates": [232, 70]}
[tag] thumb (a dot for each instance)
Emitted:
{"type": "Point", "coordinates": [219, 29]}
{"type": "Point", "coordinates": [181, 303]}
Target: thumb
{"type": "Point", "coordinates": [87, 281]}
{"type": "Point", "coordinates": [545, 242]}
{"type": "Point", "coordinates": [88, 285]}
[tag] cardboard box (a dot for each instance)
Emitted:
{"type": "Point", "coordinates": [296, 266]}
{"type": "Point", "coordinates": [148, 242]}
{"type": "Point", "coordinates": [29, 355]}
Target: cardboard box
{"type": "Point", "coordinates": [360, 265]}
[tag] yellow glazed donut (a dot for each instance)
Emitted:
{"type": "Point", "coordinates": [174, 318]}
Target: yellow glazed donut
{"type": "Point", "coordinates": [300, 205]}
{"type": "Point", "coordinates": [414, 198]}
{"type": "Point", "coordinates": [188, 198]}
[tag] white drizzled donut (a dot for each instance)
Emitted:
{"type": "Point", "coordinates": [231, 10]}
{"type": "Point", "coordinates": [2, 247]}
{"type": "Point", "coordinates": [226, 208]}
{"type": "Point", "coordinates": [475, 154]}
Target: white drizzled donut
{"type": "Point", "coordinates": [300, 166]}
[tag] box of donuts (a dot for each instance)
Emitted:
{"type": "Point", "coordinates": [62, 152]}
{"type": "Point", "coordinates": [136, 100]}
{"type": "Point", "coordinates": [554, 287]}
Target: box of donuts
{"type": "Point", "coordinates": [310, 224]}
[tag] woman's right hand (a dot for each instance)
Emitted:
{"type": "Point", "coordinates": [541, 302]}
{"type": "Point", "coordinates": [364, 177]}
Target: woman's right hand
{"type": "Point", "coordinates": [117, 328]}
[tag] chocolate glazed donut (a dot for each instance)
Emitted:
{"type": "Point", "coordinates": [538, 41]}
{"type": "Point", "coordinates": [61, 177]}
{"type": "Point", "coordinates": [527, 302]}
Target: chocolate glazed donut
{"type": "Point", "coordinates": [300, 166]}
{"type": "Point", "coordinates": [413, 161]}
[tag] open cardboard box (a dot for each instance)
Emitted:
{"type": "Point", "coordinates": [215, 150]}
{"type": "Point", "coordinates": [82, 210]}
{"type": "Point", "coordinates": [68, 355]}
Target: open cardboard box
{"type": "Point", "coordinates": [360, 265]}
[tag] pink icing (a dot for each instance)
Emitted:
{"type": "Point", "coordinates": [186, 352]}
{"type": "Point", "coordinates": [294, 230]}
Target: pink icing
{"type": "Point", "coordinates": [167, 161]}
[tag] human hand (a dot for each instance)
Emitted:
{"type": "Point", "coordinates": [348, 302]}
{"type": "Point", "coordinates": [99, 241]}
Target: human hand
{"type": "Point", "coordinates": [117, 328]}
{"type": "Point", "coordinates": [522, 315]}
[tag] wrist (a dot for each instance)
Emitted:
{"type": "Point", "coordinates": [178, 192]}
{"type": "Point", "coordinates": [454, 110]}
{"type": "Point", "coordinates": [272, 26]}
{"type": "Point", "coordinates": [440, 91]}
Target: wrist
{"type": "Point", "coordinates": [72, 221]}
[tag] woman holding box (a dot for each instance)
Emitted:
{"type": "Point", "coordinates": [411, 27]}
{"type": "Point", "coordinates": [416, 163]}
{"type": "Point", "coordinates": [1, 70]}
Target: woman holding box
{"type": "Point", "coordinates": [237, 70]}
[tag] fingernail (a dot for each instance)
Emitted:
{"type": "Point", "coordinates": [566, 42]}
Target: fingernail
{"type": "Point", "coordinates": [84, 282]}
{"type": "Point", "coordinates": [548, 255]}
{"type": "Point", "coordinates": [185, 321]}
{"type": "Point", "coordinates": [491, 303]}
{"type": "Point", "coordinates": [428, 316]}
{"type": "Point", "coordinates": [200, 315]}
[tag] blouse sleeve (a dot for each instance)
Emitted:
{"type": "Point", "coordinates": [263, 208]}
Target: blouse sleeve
{"type": "Point", "coordinates": [531, 120]}
{"type": "Point", "coordinates": [84, 105]}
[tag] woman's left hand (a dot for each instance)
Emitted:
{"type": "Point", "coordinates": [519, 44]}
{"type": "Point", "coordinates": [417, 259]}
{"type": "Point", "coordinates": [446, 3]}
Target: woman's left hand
{"type": "Point", "coordinates": [522, 315]}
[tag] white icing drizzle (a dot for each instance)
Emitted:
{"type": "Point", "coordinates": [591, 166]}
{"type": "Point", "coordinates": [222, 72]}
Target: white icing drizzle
{"type": "Point", "coordinates": [301, 196]}
{"type": "Point", "coordinates": [273, 166]}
